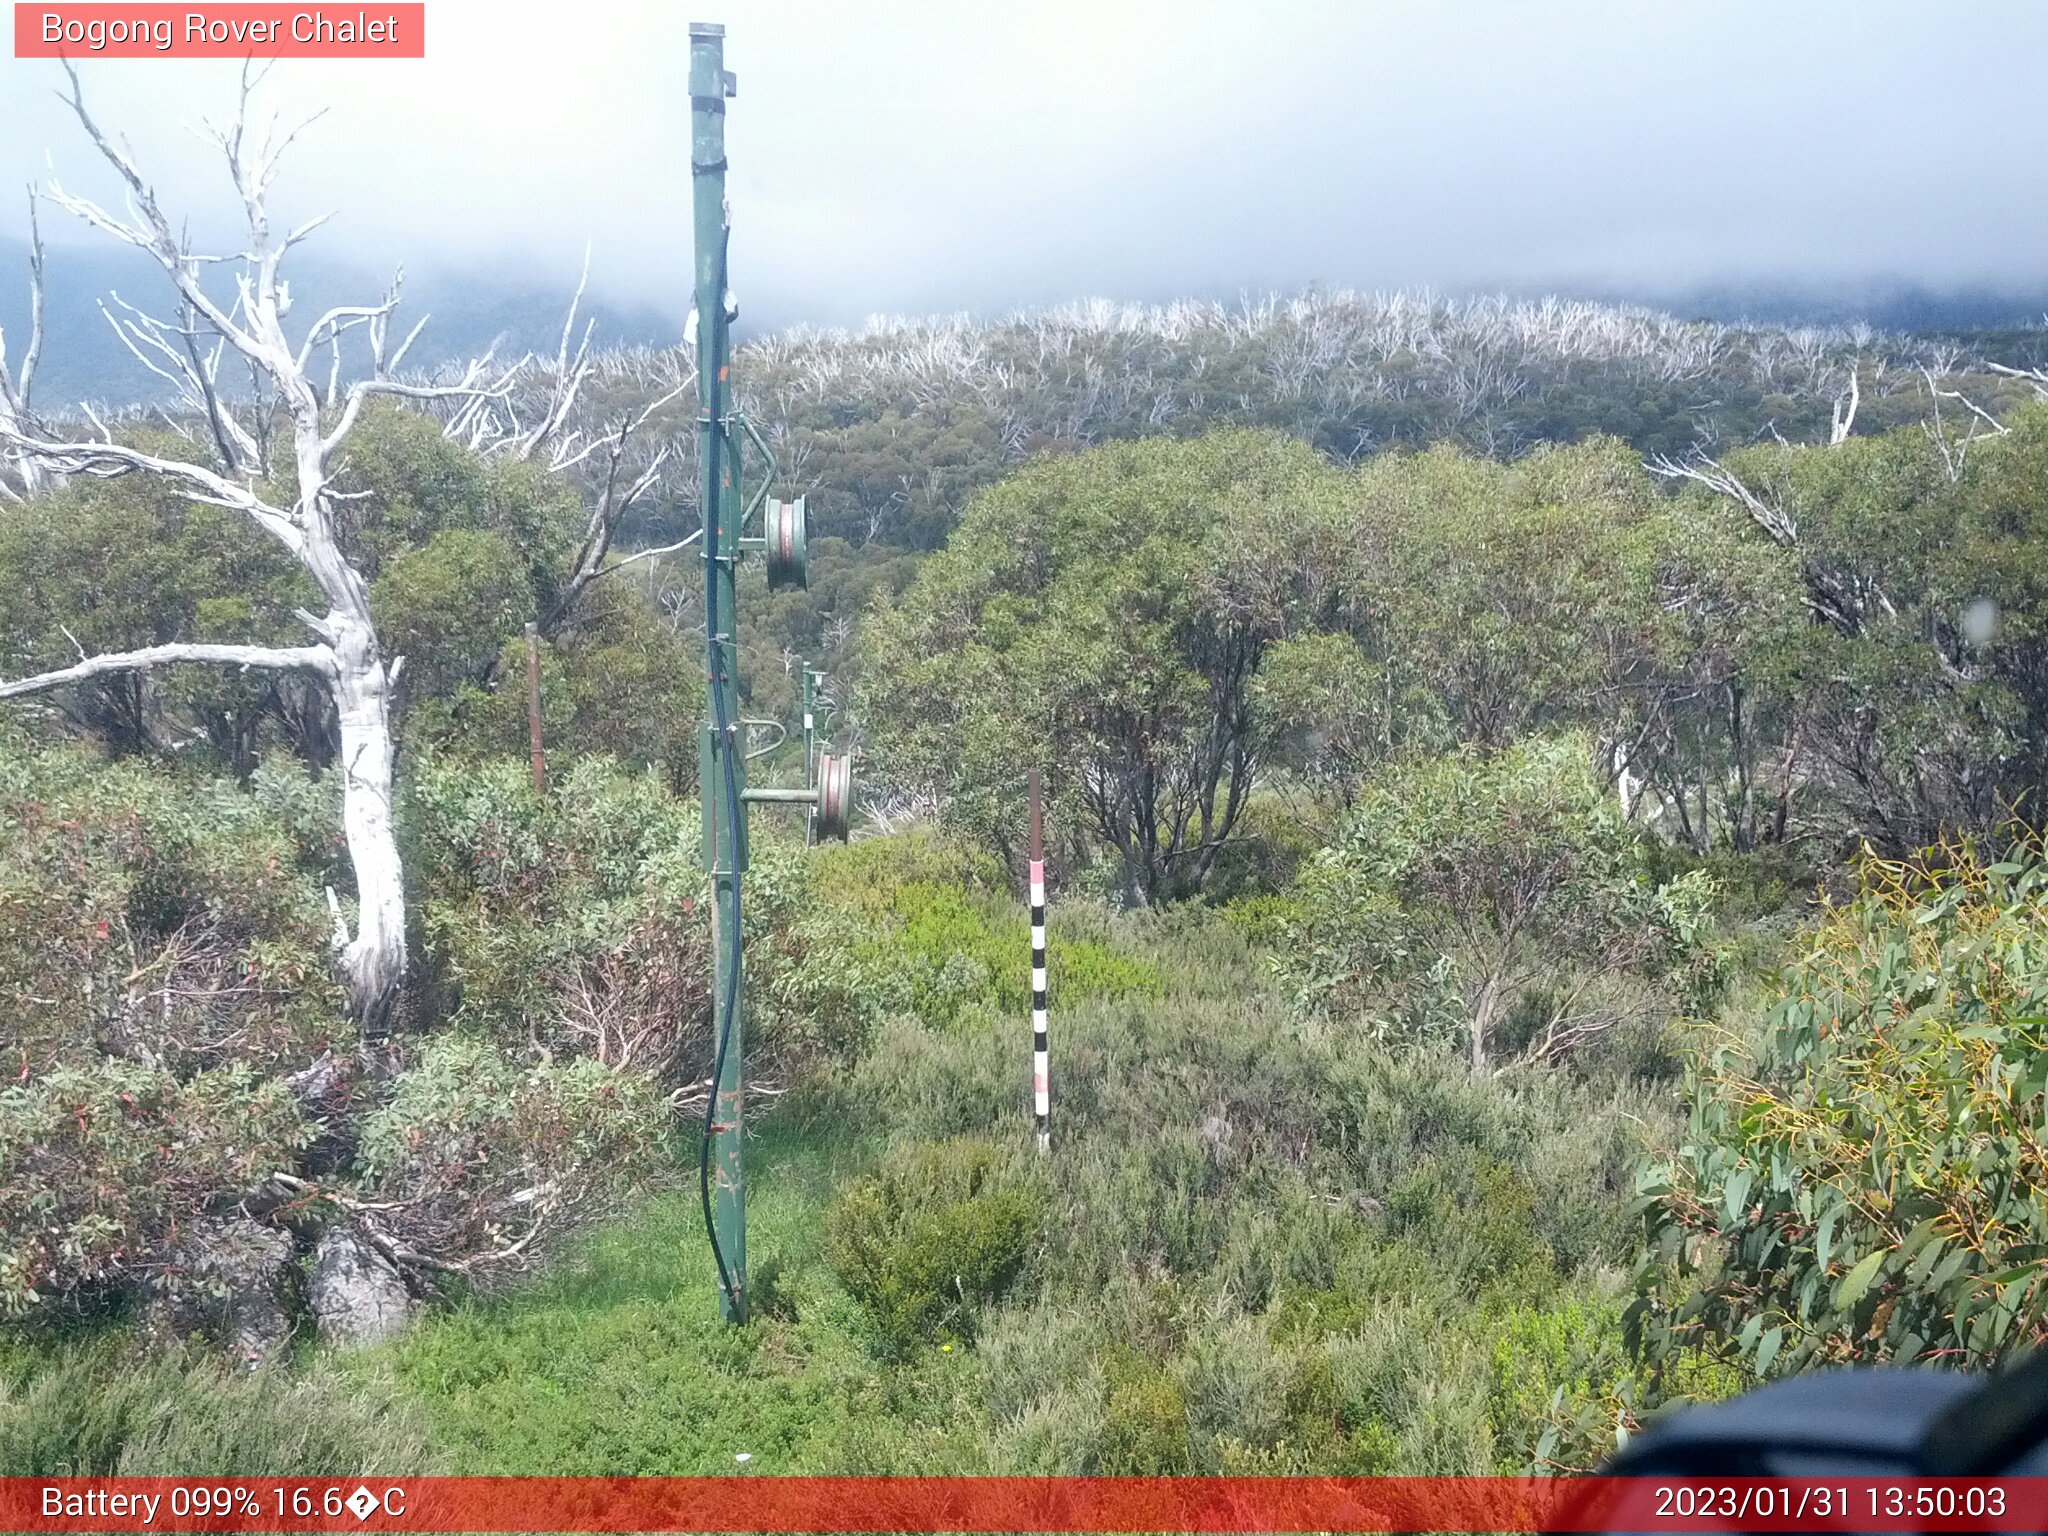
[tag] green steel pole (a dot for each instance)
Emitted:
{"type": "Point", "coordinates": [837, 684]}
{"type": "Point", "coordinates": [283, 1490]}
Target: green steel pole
{"type": "Point", "coordinates": [723, 761]}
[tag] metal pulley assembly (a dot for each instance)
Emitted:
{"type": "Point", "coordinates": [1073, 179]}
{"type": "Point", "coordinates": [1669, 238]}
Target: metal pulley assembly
{"type": "Point", "coordinates": [830, 799]}
{"type": "Point", "coordinates": [835, 796]}
{"type": "Point", "coordinates": [784, 541]}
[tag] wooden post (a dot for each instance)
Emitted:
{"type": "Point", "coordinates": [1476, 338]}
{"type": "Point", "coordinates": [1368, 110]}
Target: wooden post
{"type": "Point", "coordinates": [540, 762]}
{"type": "Point", "coordinates": [1041, 1053]}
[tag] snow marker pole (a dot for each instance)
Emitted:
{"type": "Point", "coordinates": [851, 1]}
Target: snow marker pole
{"type": "Point", "coordinates": [1041, 1053]}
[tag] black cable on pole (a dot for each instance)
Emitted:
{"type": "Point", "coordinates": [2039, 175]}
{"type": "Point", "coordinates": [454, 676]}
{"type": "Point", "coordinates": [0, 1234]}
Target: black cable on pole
{"type": "Point", "coordinates": [728, 777]}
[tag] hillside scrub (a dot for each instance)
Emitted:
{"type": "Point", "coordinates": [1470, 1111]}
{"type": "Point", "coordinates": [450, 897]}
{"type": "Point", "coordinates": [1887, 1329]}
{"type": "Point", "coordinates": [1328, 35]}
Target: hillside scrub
{"type": "Point", "coordinates": [1861, 1181]}
{"type": "Point", "coordinates": [1426, 828]}
{"type": "Point", "coordinates": [1487, 895]}
{"type": "Point", "coordinates": [1092, 617]}
{"type": "Point", "coordinates": [185, 1061]}
{"type": "Point", "coordinates": [1844, 643]}
{"type": "Point", "coordinates": [1255, 1249]}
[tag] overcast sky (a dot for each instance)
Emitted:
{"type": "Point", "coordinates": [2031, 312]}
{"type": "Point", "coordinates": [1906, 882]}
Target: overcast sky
{"type": "Point", "coordinates": [892, 156]}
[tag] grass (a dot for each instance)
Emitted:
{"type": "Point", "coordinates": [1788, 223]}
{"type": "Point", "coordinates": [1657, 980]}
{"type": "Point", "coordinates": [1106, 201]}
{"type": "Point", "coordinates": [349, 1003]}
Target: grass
{"type": "Point", "coordinates": [1265, 1249]}
{"type": "Point", "coordinates": [1265, 1252]}
{"type": "Point", "coordinates": [618, 1364]}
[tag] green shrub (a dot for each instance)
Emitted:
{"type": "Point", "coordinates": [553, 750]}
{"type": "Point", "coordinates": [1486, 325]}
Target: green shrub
{"type": "Point", "coordinates": [1563, 1386]}
{"type": "Point", "coordinates": [1266, 850]}
{"type": "Point", "coordinates": [866, 877]}
{"type": "Point", "coordinates": [1864, 1183]}
{"type": "Point", "coordinates": [1481, 1216]}
{"type": "Point", "coordinates": [935, 1236]}
{"type": "Point", "coordinates": [1264, 920]}
{"type": "Point", "coordinates": [1469, 889]}
{"type": "Point", "coordinates": [943, 935]}
{"type": "Point", "coordinates": [103, 1409]}
{"type": "Point", "coordinates": [171, 920]}
{"type": "Point", "coordinates": [102, 1166]}
{"type": "Point", "coordinates": [478, 1154]}
{"type": "Point", "coordinates": [1145, 1424]}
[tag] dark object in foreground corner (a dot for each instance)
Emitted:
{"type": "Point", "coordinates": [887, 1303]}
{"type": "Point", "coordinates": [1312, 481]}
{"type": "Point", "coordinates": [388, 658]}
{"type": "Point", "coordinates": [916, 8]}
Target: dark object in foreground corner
{"type": "Point", "coordinates": [1859, 1423]}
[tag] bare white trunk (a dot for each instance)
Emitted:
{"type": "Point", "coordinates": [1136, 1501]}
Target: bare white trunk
{"type": "Point", "coordinates": [349, 659]}
{"type": "Point", "coordinates": [16, 384]}
{"type": "Point", "coordinates": [373, 959]}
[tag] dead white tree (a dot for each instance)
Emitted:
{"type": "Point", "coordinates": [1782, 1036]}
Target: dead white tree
{"type": "Point", "coordinates": [620, 462]}
{"type": "Point", "coordinates": [620, 487]}
{"type": "Point", "coordinates": [2036, 377]}
{"type": "Point", "coordinates": [1838, 598]}
{"type": "Point", "coordinates": [1955, 451]}
{"type": "Point", "coordinates": [1844, 409]}
{"type": "Point", "coordinates": [345, 656]}
{"type": "Point", "coordinates": [17, 384]}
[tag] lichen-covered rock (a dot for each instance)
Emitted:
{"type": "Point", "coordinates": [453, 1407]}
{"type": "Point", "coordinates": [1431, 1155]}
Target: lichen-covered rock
{"type": "Point", "coordinates": [356, 1296]}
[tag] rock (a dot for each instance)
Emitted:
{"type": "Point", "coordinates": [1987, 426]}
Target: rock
{"type": "Point", "coordinates": [356, 1296]}
{"type": "Point", "coordinates": [320, 1084]}
{"type": "Point", "coordinates": [229, 1280]}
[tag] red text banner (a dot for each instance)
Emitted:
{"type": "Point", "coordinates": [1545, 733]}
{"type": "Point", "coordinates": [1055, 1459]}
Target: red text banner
{"type": "Point", "coordinates": [231, 31]}
{"type": "Point", "coordinates": [992, 1504]}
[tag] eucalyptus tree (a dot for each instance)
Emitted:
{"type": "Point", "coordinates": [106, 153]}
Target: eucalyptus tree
{"type": "Point", "coordinates": [1092, 616]}
{"type": "Point", "coordinates": [270, 454]}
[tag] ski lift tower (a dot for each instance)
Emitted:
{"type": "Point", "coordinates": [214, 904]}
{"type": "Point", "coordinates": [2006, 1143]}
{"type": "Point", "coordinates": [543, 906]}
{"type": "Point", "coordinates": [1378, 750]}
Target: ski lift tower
{"type": "Point", "coordinates": [727, 506]}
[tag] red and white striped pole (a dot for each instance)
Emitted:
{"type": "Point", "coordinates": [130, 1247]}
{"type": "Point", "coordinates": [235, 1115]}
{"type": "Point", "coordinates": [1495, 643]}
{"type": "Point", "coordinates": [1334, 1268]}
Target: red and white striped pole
{"type": "Point", "coordinates": [1041, 1053]}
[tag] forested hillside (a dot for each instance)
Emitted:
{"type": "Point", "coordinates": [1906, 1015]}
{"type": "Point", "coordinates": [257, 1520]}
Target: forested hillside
{"type": "Point", "coordinates": [1493, 755]}
{"type": "Point", "coordinates": [890, 430]}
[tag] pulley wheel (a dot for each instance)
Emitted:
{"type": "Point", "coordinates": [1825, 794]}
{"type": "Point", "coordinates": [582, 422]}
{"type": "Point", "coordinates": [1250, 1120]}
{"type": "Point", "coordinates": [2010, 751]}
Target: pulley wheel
{"type": "Point", "coordinates": [835, 796]}
{"type": "Point", "coordinates": [788, 562]}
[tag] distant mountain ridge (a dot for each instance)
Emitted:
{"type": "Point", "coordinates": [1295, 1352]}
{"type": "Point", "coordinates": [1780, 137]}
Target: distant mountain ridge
{"type": "Point", "coordinates": [83, 360]}
{"type": "Point", "coordinates": [470, 309]}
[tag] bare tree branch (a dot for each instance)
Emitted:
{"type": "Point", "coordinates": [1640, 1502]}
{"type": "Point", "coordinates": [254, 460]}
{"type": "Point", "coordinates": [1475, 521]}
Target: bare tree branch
{"type": "Point", "coordinates": [2037, 377]}
{"type": "Point", "coordinates": [1703, 469]}
{"type": "Point", "coordinates": [308, 658]}
{"type": "Point", "coordinates": [17, 388]}
{"type": "Point", "coordinates": [651, 554]}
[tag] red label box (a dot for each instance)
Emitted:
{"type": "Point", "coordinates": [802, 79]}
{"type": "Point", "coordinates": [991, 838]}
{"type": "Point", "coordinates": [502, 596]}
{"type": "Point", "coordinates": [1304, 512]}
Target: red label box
{"type": "Point", "coordinates": [384, 1505]}
{"type": "Point", "coordinates": [235, 31]}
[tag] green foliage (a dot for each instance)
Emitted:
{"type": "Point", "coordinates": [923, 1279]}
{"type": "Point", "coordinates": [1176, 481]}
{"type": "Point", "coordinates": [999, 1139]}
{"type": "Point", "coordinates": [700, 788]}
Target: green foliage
{"type": "Point", "coordinates": [1861, 1183]}
{"type": "Point", "coordinates": [1094, 615]}
{"type": "Point", "coordinates": [620, 683]}
{"type": "Point", "coordinates": [932, 1238]}
{"type": "Point", "coordinates": [126, 563]}
{"type": "Point", "coordinates": [1145, 1424]}
{"type": "Point", "coordinates": [938, 939]}
{"type": "Point", "coordinates": [446, 606]}
{"type": "Point", "coordinates": [1217, 1280]}
{"type": "Point", "coordinates": [1331, 709]}
{"type": "Point", "coordinates": [1265, 854]}
{"type": "Point", "coordinates": [580, 919]}
{"type": "Point", "coordinates": [164, 974]}
{"type": "Point", "coordinates": [865, 877]}
{"type": "Point", "coordinates": [101, 1408]}
{"type": "Point", "coordinates": [470, 1140]}
{"type": "Point", "coordinates": [1468, 894]}
{"type": "Point", "coordinates": [170, 917]}
{"type": "Point", "coordinates": [104, 1164]}
{"type": "Point", "coordinates": [1503, 592]}
{"type": "Point", "coordinates": [616, 1363]}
